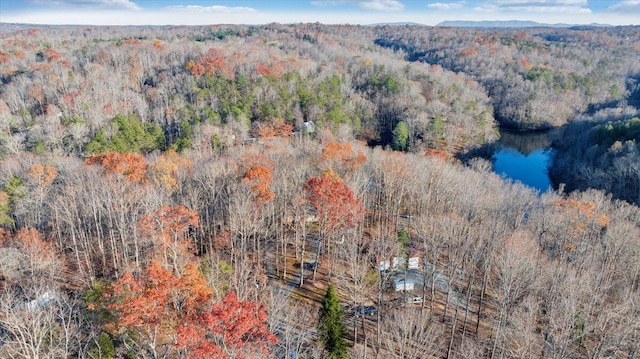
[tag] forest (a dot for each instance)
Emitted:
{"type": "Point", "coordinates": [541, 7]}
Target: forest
{"type": "Point", "coordinates": [316, 191]}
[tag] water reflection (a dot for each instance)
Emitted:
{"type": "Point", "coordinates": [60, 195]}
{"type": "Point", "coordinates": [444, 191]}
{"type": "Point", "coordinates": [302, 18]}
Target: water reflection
{"type": "Point", "coordinates": [526, 142]}
{"type": "Point", "coordinates": [525, 157]}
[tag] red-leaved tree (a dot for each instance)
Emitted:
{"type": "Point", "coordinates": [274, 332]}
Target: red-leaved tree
{"type": "Point", "coordinates": [259, 178]}
{"type": "Point", "coordinates": [335, 202]}
{"type": "Point", "coordinates": [228, 329]}
{"type": "Point", "coordinates": [130, 165]}
{"type": "Point", "coordinates": [168, 229]}
{"type": "Point", "coordinates": [341, 157]}
{"type": "Point", "coordinates": [337, 207]}
{"type": "Point", "coordinates": [164, 315]}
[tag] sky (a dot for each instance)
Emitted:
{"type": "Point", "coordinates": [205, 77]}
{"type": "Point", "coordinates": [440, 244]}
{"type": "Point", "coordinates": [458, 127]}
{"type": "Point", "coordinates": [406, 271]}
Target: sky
{"type": "Point", "coordinates": [203, 12]}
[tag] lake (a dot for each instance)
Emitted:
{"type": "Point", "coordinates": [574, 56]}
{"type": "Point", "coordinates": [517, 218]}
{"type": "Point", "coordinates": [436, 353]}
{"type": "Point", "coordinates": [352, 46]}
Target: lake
{"type": "Point", "coordinates": [525, 157]}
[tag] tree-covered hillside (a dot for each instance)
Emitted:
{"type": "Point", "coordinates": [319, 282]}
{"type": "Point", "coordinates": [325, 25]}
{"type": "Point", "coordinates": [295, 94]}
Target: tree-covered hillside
{"type": "Point", "coordinates": [292, 191]}
{"type": "Point", "coordinates": [67, 91]}
{"type": "Point", "coordinates": [536, 77]}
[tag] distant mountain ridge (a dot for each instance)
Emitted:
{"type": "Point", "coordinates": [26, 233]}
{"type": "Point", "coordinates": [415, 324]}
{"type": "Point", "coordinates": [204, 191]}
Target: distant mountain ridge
{"type": "Point", "coordinates": [510, 23]}
{"type": "Point", "coordinates": [397, 24]}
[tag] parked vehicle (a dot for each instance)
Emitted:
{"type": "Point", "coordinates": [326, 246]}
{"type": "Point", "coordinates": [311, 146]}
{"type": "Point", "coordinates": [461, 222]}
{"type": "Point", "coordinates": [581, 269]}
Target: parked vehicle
{"type": "Point", "coordinates": [310, 265]}
{"type": "Point", "coordinates": [413, 300]}
{"type": "Point", "coordinates": [366, 310]}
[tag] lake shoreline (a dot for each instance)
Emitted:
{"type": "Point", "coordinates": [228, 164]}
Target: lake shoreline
{"type": "Point", "coordinates": [525, 156]}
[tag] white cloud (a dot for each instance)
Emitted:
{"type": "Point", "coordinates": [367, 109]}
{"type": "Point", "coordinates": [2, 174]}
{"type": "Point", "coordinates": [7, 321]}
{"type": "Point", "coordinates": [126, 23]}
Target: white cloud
{"type": "Point", "coordinates": [189, 15]}
{"type": "Point", "coordinates": [330, 2]}
{"type": "Point", "coordinates": [163, 16]}
{"type": "Point", "coordinates": [536, 6]}
{"type": "Point", "coordinates": [626, 6]}
{"type": "Point", "coordinates": [447, 6]}
{"type": "Point", "coordinates": [382, 5]}
{"type": "Point", "coordinates": [104, 4]}
{"type": "Point", "coordinates": [511, 3]}
{"type": "Point", "coordinates": [213, 8]}
{"type": "Point", "coordinates": [378, 5]}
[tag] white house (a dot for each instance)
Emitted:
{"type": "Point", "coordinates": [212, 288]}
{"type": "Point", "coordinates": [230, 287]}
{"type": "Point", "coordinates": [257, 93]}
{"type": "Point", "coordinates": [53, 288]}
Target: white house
{"type": "Point", "coordinates": [398, 262]}
{"type": "Point", "coordinates": [400, 285]}
{"type": "Point", "coordinates": [414, 263]}
{"type": "Point", "coordinates": [384, 265]}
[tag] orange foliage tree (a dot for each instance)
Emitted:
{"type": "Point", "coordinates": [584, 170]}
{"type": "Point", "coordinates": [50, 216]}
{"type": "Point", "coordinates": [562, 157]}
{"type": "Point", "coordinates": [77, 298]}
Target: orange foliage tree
{"type": "Point", "coordinates": [40, 260]}
{"type": "Point", "coordinates": [259, 178]}
{"type": "Point", "coordinates": [130, 165]}
{"type": "Point", "coordinates": [439, 154]}
{"type": "Point", "coordinates": [274, 68]}
{"type": "Point", "coordinates": [150, 306]}
{"type": "Point", "coordinates": [42, 175]}
{"type": "Point", "coordinates": [4, 57]}
{"type": "Point", "coordinates": [583, 215]}
{"type": "Point", "coordinates": [275, 127]}
{"type": "Point", "coordinates": [195, 68]}
{"type": "Point", "coordinates": [222, 240]}
{"type": "Point", "coordinates": [4, 236]}
{"type": "Point", "coordinates": [335, 202]}
{"type": "Point", "coordinates": [229, 329]}
{"type": "Point", "coordinates": [215, 61]}
{"type": "Point", "coordinates": [584, 222]}
{"type": "Point", "coordinates": [171, 315]}
{"type": "Point", "coordinates": [168, 229]}
{"type": "Point", "coordinates": [342, 157]}
{"type": "Point", "coordinates": [165, 172]}
{"type": "Point", "coordinates": [52, 55]}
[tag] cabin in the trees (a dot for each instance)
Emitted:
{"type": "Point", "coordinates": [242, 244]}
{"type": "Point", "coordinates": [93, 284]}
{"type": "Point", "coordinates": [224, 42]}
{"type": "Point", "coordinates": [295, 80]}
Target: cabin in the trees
{"type": "Point", "coordinates": [402, 285]}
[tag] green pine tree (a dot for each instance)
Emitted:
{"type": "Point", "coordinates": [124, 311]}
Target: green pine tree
{"type": "Point", "coordinates": [331, 326]}
{"type": "Point", "coordinates": [437, 127]}
{"type": "Point", "coordinates": [131, 136]}
{"type": "Point", "coordinates": [403, 237]}
{"type": "Point", "coordinates": [400, 136]}
{"type": "Point", "coordinates": [5, 210]}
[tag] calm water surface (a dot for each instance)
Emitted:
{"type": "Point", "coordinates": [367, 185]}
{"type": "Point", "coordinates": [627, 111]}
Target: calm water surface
{"type": "Point", "coordinates": [525, 157]}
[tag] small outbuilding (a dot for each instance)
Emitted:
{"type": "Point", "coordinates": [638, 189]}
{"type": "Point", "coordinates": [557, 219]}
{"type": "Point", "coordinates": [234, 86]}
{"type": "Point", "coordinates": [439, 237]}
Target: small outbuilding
{"type": "Point", "coordinates": [414, 263]}
{"type": "Point", "coordinates": [384, 265]}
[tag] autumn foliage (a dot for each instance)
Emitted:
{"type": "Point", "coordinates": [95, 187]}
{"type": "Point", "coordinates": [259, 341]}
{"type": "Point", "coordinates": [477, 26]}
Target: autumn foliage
{"type": "Point", "coordinates": [42, 175]}
{"type": "Point", "coordinates": [583, 215]}
{"type": "Point", "coordinates": [259, 177]}
{"type": "Point", "coordinates": [41, 261]}
{"type": "Point", "coordinates": [439, 154]}
{"type": "Point", "coordinates": [177, 314]}
{"type": "Point", "coordinates": [4, 57]}
{"type": "Point", "coordinates": [129, 165]}
{"type": "Point", "coordinates": [341, 156]}
{"type": "Point", "coordinates": [195, 69]}
{"type": "Point", "coordinates": [176, 254]}
{"type": "Point", "coordinates": [168, 229]}
{"type": "Point", "coordinates": [166, 171]}
{"type": "Point", "coordinates": [230, 328]}
{"type": "Point", "coordinates": [144, 304]}
{"type": "Point", "coordinates": [275, 127]}
{"type": "Point", "coordinates": [215, 61]}
{"type": "Point", "coordinates": [335, 202]}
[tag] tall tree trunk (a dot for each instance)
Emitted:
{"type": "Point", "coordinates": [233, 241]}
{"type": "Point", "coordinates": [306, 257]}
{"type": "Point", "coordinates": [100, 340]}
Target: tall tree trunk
{"type": "Point", "coordinates": [480, 302]}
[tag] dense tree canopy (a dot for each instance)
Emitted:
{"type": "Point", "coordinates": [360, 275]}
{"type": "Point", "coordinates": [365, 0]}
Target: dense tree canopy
{"type": "Point", "coordinates": [176, 192]}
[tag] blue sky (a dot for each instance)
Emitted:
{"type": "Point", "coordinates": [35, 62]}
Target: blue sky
{"type": "Point", "coordinates": [428, 12]}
